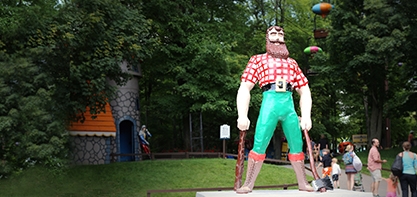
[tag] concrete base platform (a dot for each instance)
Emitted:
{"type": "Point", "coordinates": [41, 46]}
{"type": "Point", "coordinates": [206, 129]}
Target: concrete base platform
{"type": "Point", "coordinates": [286, 193]}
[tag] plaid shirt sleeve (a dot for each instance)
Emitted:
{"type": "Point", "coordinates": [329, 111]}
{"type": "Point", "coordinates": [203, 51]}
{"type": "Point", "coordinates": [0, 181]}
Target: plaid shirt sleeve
{"type": "Point", "coordinates": [250, 73]}
{"type": "Point", "coordinates": [300, 79]}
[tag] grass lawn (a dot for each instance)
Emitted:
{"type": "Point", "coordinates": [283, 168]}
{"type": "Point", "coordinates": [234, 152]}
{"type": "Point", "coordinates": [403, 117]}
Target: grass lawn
{"type": "Point", "coordinates": [135, 178]}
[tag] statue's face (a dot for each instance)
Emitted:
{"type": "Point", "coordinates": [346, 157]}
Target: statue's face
{"type": "Point", "coordinates": [276, 34]}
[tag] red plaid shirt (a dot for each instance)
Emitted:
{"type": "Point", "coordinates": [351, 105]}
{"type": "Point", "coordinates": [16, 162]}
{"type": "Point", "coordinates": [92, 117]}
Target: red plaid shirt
{"type": "Point", "coordinates": [265, 69]}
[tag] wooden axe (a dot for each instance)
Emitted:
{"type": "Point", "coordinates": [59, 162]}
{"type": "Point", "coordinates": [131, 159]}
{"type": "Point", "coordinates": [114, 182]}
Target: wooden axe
{"type": "Point", "coordinates": [318, 184]}
{"type": "Point", "coordinates": [240, 160]}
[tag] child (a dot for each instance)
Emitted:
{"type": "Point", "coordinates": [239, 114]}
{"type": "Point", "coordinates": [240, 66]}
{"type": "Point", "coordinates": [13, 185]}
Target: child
{"type": "Point", "coordinates": [336, 173]}
{"type": "Point", "coordinates": [392, 183]}
{"type": "Point", "coordinates": [326, 161]}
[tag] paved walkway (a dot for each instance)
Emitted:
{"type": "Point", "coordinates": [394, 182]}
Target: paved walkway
{"type": "Point", "coordinates": [285, 193]}
{"type": "Point", "coordinates": [366, 182]}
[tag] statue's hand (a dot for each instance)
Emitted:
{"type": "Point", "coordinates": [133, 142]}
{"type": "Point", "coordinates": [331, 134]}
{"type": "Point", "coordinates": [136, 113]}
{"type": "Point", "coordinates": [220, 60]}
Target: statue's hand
{"type": "Point", "coordinates": [305, 123]}
{"type": "Point", "coordinates": [243, 123]}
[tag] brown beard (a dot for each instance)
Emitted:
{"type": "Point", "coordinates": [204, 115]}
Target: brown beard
{"type": "Point", "coordinates": [277, 50]}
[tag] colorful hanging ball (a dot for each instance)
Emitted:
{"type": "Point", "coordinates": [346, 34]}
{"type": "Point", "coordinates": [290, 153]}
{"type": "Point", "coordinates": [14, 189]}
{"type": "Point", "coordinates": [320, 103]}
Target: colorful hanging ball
{"type": "Point", "coordinates": [322, 9]}
{"type": "Point", "coordinates": [312, 50]}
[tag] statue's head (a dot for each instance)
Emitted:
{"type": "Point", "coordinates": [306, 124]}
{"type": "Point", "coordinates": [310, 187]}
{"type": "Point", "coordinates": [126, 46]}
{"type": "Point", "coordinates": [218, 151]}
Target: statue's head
{"type": "Point", "coordinates": [275, 34]}
{"type": "Point", "coordinates": [275, 44]}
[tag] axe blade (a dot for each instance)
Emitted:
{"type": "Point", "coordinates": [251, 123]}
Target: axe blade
{"type": "Point", "coordinates": [318, 184]}
{"type": "Point", "coordinates": [325, 183]}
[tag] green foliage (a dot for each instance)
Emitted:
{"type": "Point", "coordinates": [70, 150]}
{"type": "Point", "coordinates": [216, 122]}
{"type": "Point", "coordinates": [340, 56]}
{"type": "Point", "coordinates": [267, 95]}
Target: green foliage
{"type": "Point", "coordinates": [84, 47]}
{"type": "Point", "coordinates": [31, 130]}
{"type": "Point", "coordinates": [191, 55]}
{"type": "Point", "coordinates": [366, 43]}
{"type": "Point", "coordinates": [56, 59]}
{"type": "Point", "coordinates": [197, 67]}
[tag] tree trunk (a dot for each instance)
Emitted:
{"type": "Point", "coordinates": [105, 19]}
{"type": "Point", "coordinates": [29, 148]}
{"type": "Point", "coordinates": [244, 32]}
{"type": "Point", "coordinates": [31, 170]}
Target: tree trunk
{"type": "Point", "coordinates": [277, 144]}
{"type": "Point", "coordinates": [281, 3]}
{"type": "Point", "coordinates": [279, 21]}
{"type": "Point", "coordinates": [368, 120]}
{"type": "Point", "coordinates": [375, 126]}
{"type": "Point", "coordinates": [186, 131]}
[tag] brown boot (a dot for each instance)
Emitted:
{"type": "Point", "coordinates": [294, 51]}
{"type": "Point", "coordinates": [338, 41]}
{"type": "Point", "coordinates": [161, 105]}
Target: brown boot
{"type": "Point", "coordinates": [298, 166]}
{"type": "Point", "coordinates": [255, 162]}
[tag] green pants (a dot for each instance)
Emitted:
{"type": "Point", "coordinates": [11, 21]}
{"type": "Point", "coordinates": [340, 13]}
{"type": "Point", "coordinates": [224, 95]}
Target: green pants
{"type": "Point", "coordinates": [277, 106]}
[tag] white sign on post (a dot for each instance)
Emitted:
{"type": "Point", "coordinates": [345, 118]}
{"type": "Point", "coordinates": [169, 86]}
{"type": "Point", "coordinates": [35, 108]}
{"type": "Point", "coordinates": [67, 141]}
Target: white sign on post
{"type": "Point", "coordinates": [225, 131]}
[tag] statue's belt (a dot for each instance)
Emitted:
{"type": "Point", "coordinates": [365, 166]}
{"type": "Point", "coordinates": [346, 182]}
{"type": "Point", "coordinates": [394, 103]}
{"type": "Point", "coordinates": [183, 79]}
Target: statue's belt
{"type": "Point", "coordinates": [282, 87]}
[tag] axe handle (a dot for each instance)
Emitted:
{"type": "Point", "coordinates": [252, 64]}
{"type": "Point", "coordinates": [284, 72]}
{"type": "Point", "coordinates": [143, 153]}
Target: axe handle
{"type": "Point", "coordinates": [310, 153]}
{"type": "Point", "coordinates": [240, 160]}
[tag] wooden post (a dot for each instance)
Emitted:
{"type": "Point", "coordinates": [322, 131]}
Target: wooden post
{"type": "Point", "coordinates": [224, 148]}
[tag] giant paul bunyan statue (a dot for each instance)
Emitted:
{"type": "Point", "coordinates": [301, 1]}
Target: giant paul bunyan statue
{"type": "Point", "coordinates": [277, 75]}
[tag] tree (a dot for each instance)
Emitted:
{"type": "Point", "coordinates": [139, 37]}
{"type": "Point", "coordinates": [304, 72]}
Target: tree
{"type": "Point", "coordinates": [195, 36]}
{"type": "Point", "coordinates": [55, 60]}
{"type": "Point", "coordinates": [84, 47]}
{"type": "Point", "coordinates": [364, 48]}
{"type": "Point", "coordinates": [32, 131]}
{"type": "Point", "coordinates": [194, 66]}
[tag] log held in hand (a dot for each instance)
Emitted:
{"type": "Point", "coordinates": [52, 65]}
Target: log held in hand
{"type": "Point", "coordinates": [240, 160]}
{"type": "Point", "coordinates": [318, 184]}
{"type": "Point", "coordinates": [310, 155]}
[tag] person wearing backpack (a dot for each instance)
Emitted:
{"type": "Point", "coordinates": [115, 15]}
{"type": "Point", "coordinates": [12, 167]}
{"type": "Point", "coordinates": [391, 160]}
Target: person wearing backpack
{"type": "Point", "coordinates": [349, 168]}
{"type": "Point", "coordinates": [408, 177]}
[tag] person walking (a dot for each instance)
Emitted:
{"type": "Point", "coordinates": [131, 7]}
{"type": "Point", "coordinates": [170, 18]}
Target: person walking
{"type": "Point", "coordinates": [375, 166]}
{"type": "Point", "coordinates": [409, 177]}
{"type": "Point", "coordinates": [336, 173]}
{"type": "Point", "coordinates": [392, 186]}
{"type": "Point", "coordinates": [326, 162]}
{"type": "Point", "coordinates": [349, 169]}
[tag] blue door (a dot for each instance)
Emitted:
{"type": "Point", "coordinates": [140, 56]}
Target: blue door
{"type": "Point", "coordinates": [126, 140]}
